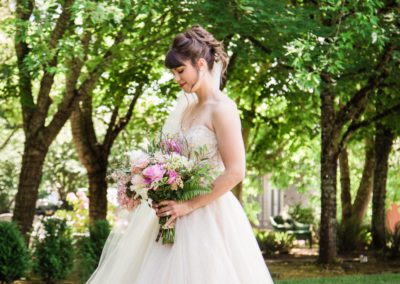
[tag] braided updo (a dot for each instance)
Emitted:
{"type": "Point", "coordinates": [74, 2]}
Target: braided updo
{"type": "Point", "coordinates": [193, 44]}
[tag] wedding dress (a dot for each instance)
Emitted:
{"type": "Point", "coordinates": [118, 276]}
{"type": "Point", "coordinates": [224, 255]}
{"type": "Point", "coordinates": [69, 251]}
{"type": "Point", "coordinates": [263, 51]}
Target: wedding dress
{"type": "Point", "coordinates": [214, 244]}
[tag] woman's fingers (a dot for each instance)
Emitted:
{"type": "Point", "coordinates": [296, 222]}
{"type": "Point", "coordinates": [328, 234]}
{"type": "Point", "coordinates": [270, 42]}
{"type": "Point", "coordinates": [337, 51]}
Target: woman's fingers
{"type": "Point", "coordinates": [164, 210]}
{"type": "Point", "coordinates": [170, 222]}
{"type": "Point", "coordinates": [164, 207]}
{"type": "Point", "coordinates": [165, 202]}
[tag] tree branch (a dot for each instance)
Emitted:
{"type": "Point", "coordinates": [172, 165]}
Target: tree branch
{"type": "Point", "coordinates": [359, 100]}
{"type": "Point", "coordinates": [88, 84]}
{"type": "Point", "coordinates": [112, 133]}
{"type": "Point", "coordinates": [71, 95]}
{"type": "Point", "coordinates": [61, 25]}
{"type": "Point", "coordinates": [259, 44]}
{"type": "Point", "coordinates": [84, 134]}
{"type": "Point", "coordinates": [355, 126]}
{"type": "Point", "coordinates": [44, 101]}
{"type": "Point", "coordinates": [4, 144]}
{"type": "Point", "coordinates": [108, 137]}
{"type": "Point", "coordinates": [24, 11]}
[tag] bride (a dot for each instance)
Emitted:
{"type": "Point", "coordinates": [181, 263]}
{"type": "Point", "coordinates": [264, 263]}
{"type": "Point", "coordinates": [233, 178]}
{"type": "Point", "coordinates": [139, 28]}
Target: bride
{"type": "Point", "coordinates": [214, 242]}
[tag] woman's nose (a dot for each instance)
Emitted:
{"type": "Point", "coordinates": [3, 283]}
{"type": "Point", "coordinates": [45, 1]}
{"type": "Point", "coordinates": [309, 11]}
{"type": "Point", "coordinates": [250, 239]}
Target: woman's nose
{"type": "Point", "coordinates": [177, 77]}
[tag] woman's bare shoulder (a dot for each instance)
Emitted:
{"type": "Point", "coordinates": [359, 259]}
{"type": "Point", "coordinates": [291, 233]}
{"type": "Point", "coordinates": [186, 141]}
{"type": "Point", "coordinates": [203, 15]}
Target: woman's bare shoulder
{"type": "Point", "coordinates": [225, 113]}
{"type": "Point", "coordinates": [224, 104]}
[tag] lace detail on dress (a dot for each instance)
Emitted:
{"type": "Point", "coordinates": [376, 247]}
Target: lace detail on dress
{"type": "Point", "coordinates": [199, 135]}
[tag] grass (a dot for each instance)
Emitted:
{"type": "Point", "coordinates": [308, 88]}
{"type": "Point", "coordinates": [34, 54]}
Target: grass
{"type": "Point", "coordinates": [387, 278]}
{"type": "Point", "coordinates": [301, 267]}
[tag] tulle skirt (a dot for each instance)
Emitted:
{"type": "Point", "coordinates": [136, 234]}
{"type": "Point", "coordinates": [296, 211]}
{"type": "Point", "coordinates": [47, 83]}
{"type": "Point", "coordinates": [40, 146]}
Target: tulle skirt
{"type": "Point", "coordinates": [213, 244]}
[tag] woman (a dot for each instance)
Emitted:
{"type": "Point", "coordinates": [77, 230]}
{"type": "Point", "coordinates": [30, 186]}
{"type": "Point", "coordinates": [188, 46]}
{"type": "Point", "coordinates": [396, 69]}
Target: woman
{"type": "Point", "coordinates": [214, 242]}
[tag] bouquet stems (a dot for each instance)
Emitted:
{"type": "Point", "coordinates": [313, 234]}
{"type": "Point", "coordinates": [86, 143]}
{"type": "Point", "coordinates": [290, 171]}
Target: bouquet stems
{"type": "Point", "coordinates": [167, 234]}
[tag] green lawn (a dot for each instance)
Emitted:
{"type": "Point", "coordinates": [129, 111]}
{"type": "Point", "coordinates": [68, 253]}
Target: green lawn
{"type": "Point", "coordinates": [386, 278]}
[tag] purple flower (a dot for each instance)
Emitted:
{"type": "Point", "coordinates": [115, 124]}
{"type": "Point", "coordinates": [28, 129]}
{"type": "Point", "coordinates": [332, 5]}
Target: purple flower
{"type": "Point", "coordinates": [153, 173]}
{"type": "Point", "coordinates": [172, 176]}
{"type": "Point", "coordinates": [171, 145]}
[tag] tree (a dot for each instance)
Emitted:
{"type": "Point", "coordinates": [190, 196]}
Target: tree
{"type": "Point", "coordinates": [59, 44]}
{"type": "Point", "coordinates": [129, 79]}
{"type": "Point", "coordinates": [335, 61]}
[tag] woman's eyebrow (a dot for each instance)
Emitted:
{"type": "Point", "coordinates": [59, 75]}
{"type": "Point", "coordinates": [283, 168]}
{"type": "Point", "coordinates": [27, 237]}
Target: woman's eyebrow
{"type": "Point", "coordinates": [176, 68]}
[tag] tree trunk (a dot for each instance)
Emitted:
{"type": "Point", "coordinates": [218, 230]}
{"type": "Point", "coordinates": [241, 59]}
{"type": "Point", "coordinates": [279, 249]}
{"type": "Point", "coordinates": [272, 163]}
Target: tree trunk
{"type": "Point", "coordinates": [94, 154]}
{"type": "Point", "coordinates": [383, 144]}
{"type": "Point", "coordinates": [29, 181]}
{"type": "Point", "coordinates": [345, 185]}
{"type": "Point", "coordinates": [91, 154]}
{"type": "Point", "coordinates": [352, 217]}
{"type": "Point", "coordinates": [97, 195]}
{"type": "Point", "coordinates": [327, 245]}
{"type": "Point", "coordinates": [329, 157]}
{"type": "Point", "coordinates": [364, 191]}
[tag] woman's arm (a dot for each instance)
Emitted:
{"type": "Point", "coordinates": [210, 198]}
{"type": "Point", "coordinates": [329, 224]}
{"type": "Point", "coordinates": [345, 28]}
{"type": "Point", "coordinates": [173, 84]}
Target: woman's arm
{"type": "Point", "coordinates": [227, 125]}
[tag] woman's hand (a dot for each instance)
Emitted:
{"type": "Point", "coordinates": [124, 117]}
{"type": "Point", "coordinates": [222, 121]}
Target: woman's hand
{"type": "Point", "coordinates": [172, 208]}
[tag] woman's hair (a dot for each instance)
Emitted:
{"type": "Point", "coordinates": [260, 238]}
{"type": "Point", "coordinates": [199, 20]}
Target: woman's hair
{"type": "Point", "coordinates": [193, 44]}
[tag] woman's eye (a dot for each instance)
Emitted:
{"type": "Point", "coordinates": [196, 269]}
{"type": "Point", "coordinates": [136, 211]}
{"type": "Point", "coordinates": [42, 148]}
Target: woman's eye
{"type": "Point", "coordinates": [180, 71]}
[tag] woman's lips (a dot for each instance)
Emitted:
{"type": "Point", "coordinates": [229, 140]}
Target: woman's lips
{"type": "Point", "coordinates": [182, 84]}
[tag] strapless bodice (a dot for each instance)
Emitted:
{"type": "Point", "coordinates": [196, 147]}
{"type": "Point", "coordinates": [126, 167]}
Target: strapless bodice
{"type": "Point", "coordinates": [200, 135]}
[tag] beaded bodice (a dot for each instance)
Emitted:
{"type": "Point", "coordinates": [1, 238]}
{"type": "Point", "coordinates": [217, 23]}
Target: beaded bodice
{"type": "Point", "coordinates": [201, 135]}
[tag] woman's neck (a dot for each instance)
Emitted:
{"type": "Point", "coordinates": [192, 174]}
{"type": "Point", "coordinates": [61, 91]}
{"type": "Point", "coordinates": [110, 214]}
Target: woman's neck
{"type": "Point", "coordinates": [207, 93]}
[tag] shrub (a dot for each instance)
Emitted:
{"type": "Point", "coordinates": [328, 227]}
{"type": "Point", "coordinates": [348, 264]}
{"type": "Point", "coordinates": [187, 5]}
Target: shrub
{"type": "Point", "coordinates": [89, 248]}
{"type": "Point", "coordinates": [302, 214]}
{"type": "Point", "coordinates": [14, 254]}
{"type": "Point", "coordinates": [352, 235]}
{"type": "Point", "coordinates": [99, 232]}
{"type": "Point", "coordinates": [8, 180]}
{"type": "Point", "coordinates": [275, 242]}
{"type": "Point", "coordinates": [53, 252]}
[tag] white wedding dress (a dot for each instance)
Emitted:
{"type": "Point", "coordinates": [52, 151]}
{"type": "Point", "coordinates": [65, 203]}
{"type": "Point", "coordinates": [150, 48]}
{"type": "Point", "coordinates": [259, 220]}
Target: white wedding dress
{"type": "Point", "coordinates": [214, 244]}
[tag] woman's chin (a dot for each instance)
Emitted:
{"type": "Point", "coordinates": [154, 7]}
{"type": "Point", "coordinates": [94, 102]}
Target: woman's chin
{"type": "Point", "coordinates": [185, 88]}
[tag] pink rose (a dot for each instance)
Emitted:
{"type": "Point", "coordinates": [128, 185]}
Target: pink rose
{"type": "Point", "coordinates": [153, 173]}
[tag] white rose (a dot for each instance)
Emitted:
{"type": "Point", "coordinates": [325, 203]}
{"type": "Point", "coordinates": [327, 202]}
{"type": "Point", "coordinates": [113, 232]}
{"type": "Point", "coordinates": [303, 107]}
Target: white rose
{"type": "Point", "coordinates": [160, 157]}
{"type": "Point", "coordinates": [138, 158]}
{"type": "Point", "coordinates": [137, 182]}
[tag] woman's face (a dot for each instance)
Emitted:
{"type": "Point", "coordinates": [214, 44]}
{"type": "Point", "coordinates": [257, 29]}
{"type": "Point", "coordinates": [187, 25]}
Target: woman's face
{"type": "Point", "coordinates": [186, 75]}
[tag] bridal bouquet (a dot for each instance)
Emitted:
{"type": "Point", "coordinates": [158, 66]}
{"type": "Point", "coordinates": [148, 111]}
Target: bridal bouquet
{"type": "Point", "coordinates": [166, 170]}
